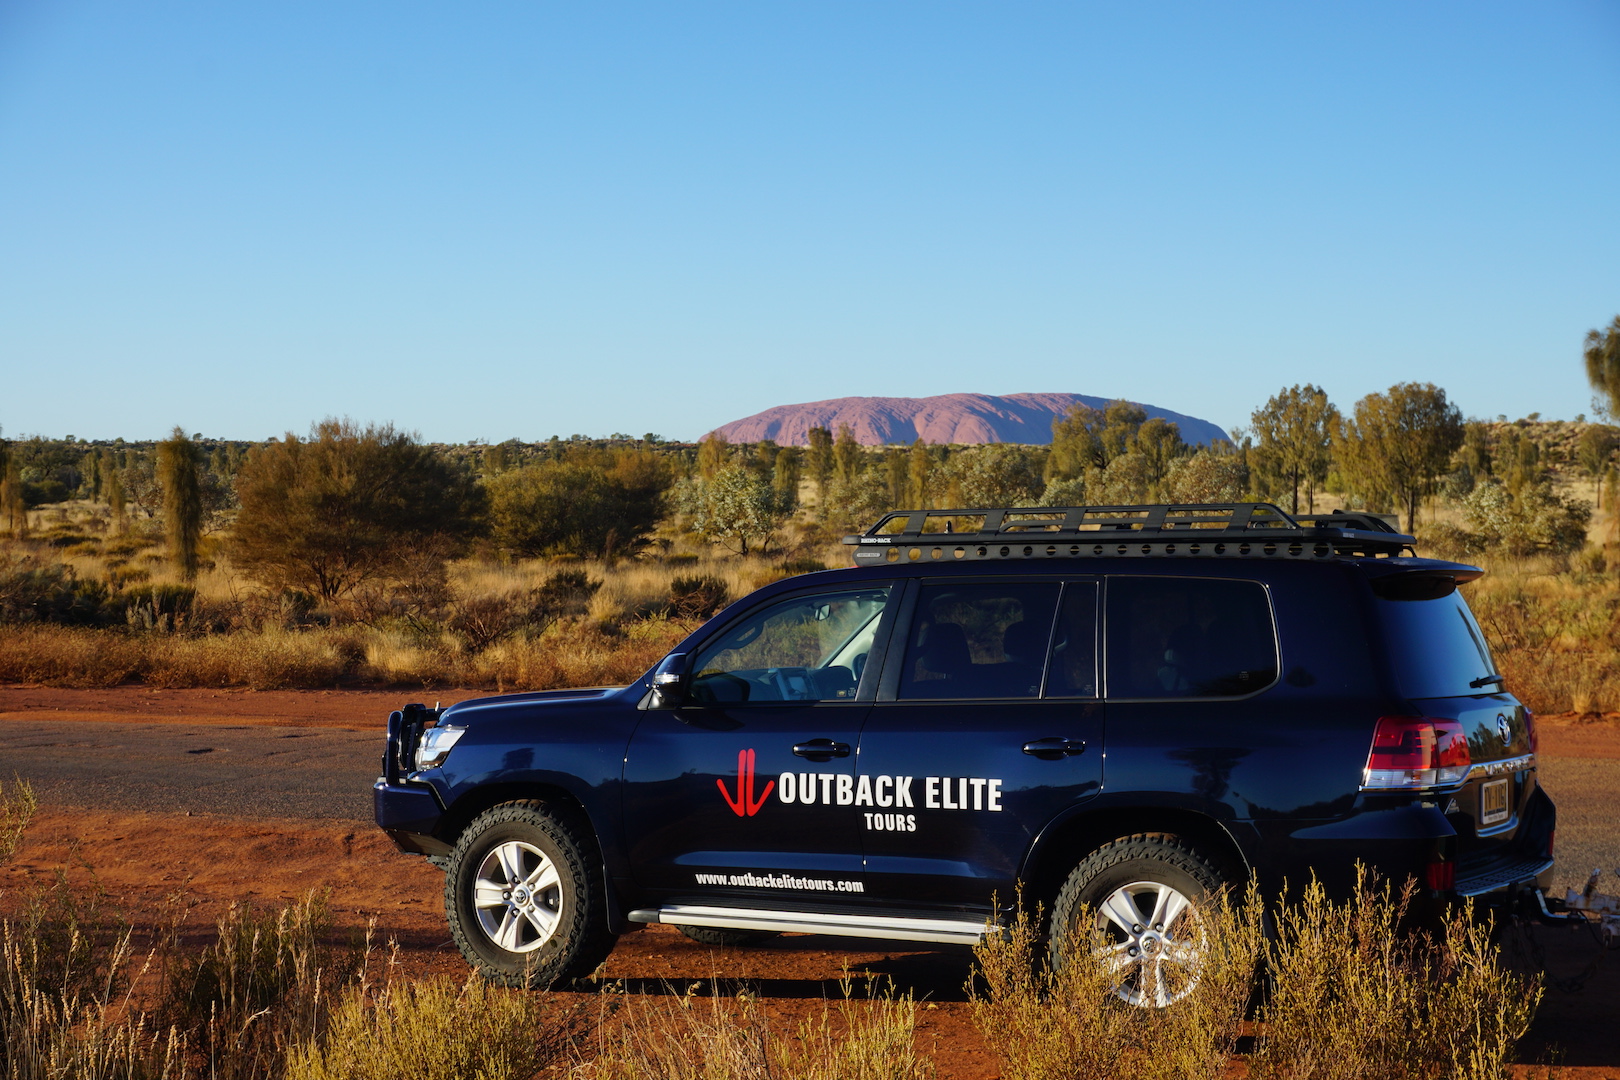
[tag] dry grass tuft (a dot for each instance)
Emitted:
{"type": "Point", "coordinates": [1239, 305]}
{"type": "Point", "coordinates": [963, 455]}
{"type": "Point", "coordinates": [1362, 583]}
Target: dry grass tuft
{"type": "Point", "coordinates": [727, 1038]}
{"type": "Point", "coordinates": [1353, 996]}
{"type": "Point", "coordinates": [437, 1030]}
{"type": "Point", "coordinates": [1062, 1022]}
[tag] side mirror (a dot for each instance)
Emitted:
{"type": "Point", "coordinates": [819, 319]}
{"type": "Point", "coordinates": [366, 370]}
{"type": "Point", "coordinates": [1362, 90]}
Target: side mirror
{"type": "Point", "coordinates": [669, 681]}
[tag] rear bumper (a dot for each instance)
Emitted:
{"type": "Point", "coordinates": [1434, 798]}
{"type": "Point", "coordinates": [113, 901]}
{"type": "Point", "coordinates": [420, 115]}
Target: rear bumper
{"type": "Point", "coordinates": [1505, 881]}
{"type": "Point", "coordinates": [410, 814]}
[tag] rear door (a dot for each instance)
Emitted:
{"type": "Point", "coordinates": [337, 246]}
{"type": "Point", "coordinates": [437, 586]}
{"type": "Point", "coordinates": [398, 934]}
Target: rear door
{"type": "Point", "coordinates": [986, 727]}
{"type": "Point", "coordinates": [1443, 666]}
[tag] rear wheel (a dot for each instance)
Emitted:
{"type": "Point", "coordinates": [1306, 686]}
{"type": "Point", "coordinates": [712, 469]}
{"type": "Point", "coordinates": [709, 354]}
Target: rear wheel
{"type": "Point", "coordinates": [714, 935]}
{"type": "Point", "coordinates": [1135, 903]}
{"type": "Point", "coordinates": [523, 895]}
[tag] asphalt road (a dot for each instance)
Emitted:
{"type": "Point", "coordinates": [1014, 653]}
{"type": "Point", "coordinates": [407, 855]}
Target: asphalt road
{"type": "Point", "coordinates": [255, 771]}
{"type": "Point", "coordinates": [264, 771]}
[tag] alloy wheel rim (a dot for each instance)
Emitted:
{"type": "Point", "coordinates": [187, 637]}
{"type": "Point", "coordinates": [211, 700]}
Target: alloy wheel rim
{"type": "Point", "coordinates": [1151, 939]}
{"type": "Point", "coordinates": [517, 894]}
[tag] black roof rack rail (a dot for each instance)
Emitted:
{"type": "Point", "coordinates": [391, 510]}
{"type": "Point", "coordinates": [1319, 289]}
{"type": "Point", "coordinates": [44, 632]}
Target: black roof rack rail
{"type": "Point", "coordinates": [1214, 530]}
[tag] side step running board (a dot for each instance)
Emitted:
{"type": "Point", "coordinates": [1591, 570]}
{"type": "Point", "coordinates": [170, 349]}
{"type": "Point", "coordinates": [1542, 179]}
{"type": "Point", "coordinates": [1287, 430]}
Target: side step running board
{"type": "Point", "coordinates": [948, 931]}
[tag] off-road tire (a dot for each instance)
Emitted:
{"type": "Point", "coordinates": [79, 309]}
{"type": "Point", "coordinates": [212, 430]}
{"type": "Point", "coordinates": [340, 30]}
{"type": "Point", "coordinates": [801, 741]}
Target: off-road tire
{"type": "Point", "coordinates": [1137, 862]}
{"type": "Point", "coordinates": [714, 935]}
{"type": "Point", "coordinates": [536, 835]}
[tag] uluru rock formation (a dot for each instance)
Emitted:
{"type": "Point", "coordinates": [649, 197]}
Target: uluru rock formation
{"type": "Point", "coordinates": [948, 418]}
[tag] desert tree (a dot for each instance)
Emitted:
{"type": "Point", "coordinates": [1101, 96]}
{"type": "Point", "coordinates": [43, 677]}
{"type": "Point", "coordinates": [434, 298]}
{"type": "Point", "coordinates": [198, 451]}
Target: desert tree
{"type": "Point", "coordinates": [785, 475]}
{"type": "Point", "coordinates": [735, 509]}
{"type": "Point", "coordinates": [819, 458]}
{"type": "Point", "coordinates": [762, 458]}
{"type": "Point", "coordinates": [920, 483]}
{"type": "Point", "coordinates": [179, 472]}
{"type": "Point", "coordinates": [997, 474]}
{"type": "Point", "coordinates": [1398, 444]}
{"type": "Point", "coordinates": [1158, 441]}
{"type": "Point", "coordinates": [1293, 434]}
{"type": "Point", "coordinates": [848, 459]}
{"type": "Point", "coordinates": [349, 506]}
{"type": "Point", "coordinates": [12, 504]}
{"type": "Point", "coordinates": [898, 475]}
{"type": "Point", "coordinates": [116, 501]}
{"type": "Point", "coordinates": [1212, 474]}
{"type": "Point", "coordinates": [1086, 439]}
{"type": "Point", "coordinates": [589, 504]}
{"type": "Point", "coordinates": [714, 453]}
{"type": "Point", "coordinates": [1595, 450]}
{"type": "Point", "coordinates": [1602, 353]}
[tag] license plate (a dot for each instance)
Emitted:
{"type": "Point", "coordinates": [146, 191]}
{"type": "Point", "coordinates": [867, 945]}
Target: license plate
{"type": "Point", "coordinates": [1493, 801]}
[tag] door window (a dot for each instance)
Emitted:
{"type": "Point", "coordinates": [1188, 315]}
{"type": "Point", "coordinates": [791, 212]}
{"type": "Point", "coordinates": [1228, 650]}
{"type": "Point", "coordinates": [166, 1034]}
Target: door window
{"type": "Point", "coordinates": [972, 640]}
{"type": "Point", "coordinates": [805, 648]}
{"type": "Point", "coordinates": [1188, 637]}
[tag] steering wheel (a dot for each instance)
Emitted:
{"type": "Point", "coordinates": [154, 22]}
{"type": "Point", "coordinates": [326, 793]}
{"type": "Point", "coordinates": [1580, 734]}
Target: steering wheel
{"type": "Point", "coordinates": [792, 683]}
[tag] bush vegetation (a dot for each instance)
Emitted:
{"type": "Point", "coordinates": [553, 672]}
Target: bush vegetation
{"type": "Point", "coordinates": [1353, 992]}
{"type": "Point", "coordinates": [361, 556]}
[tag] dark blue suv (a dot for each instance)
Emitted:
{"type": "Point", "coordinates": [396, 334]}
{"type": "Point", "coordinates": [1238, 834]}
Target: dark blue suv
{"type": "Point", "coordinates": [1119, 709]}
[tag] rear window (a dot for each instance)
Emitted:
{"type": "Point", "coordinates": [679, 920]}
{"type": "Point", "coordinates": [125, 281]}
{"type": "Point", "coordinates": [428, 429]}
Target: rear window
{"type": "Point", "coordinates": [1436, 648]}
{"type": "Point", "coordinates": [1188, 637]}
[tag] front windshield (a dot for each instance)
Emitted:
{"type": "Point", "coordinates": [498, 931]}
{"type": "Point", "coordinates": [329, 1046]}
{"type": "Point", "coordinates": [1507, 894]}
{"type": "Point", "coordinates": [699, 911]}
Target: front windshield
{"type": "Point", "coordinates": [805, 648]}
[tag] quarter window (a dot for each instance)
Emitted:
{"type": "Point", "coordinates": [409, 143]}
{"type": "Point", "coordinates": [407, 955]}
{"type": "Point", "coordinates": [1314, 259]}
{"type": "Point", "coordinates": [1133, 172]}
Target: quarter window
{"type": "Point", "coordinates": [1188, 637]}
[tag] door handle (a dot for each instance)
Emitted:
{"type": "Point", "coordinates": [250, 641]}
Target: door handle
{"type": "Point", "coordinates": [821, 750]}
{"type": "Point", "coordinates": [1053, 749]}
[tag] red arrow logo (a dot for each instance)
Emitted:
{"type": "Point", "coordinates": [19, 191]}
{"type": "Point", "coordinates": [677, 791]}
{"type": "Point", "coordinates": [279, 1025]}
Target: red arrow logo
{"type": "Point", "coordinates": [745, 805]}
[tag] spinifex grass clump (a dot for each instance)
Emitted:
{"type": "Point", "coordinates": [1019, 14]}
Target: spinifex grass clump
{"type": "Point", "coordinates": [1067, 1022]}
{"type": "Point", "coordinates": [437, 1030]}
{"type": "Point", "coordinates": [65, 970]}
{"type": "Point", "coordinates": [1356, 996]}
{"type": "Point", "coordinates": [262, 989]}
{"type": "Point", "coordinates": [727, 1038]}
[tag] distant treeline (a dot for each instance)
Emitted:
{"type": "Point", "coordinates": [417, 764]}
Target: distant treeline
{"type": "Point", "coordinates": [349, 505]}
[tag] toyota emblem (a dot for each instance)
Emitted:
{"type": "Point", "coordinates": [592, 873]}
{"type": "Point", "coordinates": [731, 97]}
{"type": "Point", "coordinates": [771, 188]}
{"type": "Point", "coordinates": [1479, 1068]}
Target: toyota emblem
{"type": "Point", "coordinates": [1503, 728]}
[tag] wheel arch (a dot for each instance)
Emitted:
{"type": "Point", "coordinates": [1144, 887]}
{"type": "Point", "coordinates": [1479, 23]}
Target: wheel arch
{"type": "Point", "coordinates": [463, 811]}
{"type": "Point", "coordinates": [1061, 845]}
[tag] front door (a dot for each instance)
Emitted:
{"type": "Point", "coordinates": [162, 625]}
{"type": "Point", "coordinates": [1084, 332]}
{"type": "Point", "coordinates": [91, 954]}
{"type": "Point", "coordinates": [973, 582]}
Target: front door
{"type": "Point", "coordinates": [742, 793]}
{"type": "Point", "coordinates": [991, 726]}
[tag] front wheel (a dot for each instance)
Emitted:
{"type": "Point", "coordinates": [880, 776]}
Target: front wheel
{"type": "Point", "coordinates": [523, 896]}
{"type": "Point", "coordinates": [1135, 903]}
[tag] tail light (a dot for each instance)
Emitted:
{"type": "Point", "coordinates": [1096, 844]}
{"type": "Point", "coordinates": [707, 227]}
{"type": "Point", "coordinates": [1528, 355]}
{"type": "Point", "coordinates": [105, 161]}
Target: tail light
{"type": "Point", "coordinates": [1530, 728]}
{"type": "Point", "coordinates": [1440, 876]}
{"type": "Point", "coordinates": [1410, 753]}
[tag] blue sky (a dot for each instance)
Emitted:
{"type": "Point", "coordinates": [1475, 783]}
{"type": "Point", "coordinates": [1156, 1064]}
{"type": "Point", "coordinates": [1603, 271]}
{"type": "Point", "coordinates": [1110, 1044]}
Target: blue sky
{"type": "Point", "coordinates": [499, 220]}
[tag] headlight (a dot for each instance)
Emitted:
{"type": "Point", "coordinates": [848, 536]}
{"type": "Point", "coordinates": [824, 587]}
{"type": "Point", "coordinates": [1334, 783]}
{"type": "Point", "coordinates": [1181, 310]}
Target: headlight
{"type": "Point", "coordinates": [436, 743]}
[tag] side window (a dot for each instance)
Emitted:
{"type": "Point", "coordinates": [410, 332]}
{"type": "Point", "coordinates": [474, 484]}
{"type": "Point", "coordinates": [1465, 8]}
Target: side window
{"type": "Point", "coordinates": [973, 640]}
{"type": "Point", "coordinates": [1188, 637]}
{"type": "Point", "coordinates": [804, 648]}
{"type": "Point", "coordinates": [1073, 668]}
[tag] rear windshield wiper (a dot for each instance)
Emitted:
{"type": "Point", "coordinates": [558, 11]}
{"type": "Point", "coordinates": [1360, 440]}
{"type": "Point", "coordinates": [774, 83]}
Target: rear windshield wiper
{"type": "Point", "coordinates": [1483, 679]}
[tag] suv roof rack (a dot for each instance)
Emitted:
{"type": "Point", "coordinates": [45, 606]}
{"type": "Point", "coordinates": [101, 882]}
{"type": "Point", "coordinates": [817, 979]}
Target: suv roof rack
{"type": "Point", "coordinates": [1215, 530]}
